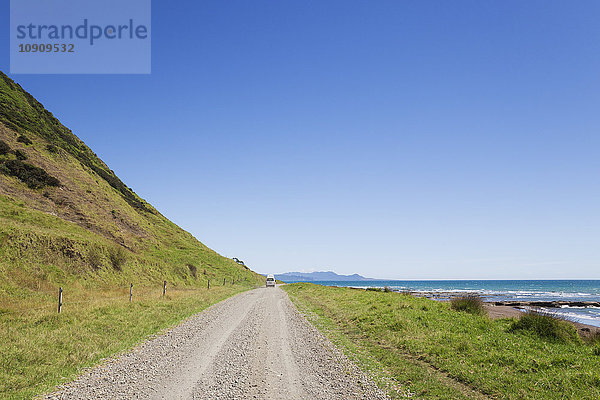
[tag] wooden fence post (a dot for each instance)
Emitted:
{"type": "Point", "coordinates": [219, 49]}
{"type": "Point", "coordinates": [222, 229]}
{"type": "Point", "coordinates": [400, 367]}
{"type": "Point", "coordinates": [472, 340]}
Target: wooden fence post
{"type": "Point", "coordinates": [209, 283]}
{"type": "Point", "coordinates": [60, 291]}
{"type": "Point", "coordinates": [164, 288]}
{"type": "Point", "coordinates": [130, 292]}
{"type": "Point", "coordinates": [223, 281]}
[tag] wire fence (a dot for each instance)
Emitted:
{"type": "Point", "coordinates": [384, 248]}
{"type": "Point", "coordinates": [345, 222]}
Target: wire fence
{"type": "Point", "coordinates": [130, 294]}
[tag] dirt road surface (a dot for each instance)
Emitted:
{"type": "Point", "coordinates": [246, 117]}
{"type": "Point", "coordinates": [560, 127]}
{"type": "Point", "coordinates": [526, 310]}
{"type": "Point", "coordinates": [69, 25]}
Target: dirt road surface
{"type": "Point", "coordinates": [254, 345]}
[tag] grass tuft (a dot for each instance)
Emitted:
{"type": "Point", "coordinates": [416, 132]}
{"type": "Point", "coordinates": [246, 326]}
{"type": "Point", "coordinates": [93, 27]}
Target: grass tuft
{"type": "Point", "coordinates": [24, 139]}
{"type": "Point", "coordinates": [594, 338]}
{"type": "Point", "coordinates": [20, 154]}
{"type": "Point", "coordinates": [117, 257]}
{"type": "Point", "coordinates": [4, 148]}
{"type": "Point", "coordinates": [471, 304]}
{"type": "Point", "coordinates": [94, 258]}
{"type": "Point", "coordinates": [547, 326]}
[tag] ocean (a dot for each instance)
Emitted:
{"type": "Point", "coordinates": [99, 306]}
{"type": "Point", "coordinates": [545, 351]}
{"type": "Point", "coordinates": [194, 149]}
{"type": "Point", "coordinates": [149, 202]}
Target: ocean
{"type": "Point", "coordinates": [505, 290]}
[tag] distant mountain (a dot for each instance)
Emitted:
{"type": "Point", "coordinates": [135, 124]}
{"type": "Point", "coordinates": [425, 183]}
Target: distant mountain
{"type": "Point", "coordinates": [318, 276]}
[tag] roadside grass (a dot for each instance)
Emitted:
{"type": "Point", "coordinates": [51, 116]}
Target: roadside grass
{"type": "Point", "coordinates": [40, 348]}
{"type": "Point", "coordinates": [429, 351]}
{"type": "Point", "coordinates": [471, 304]}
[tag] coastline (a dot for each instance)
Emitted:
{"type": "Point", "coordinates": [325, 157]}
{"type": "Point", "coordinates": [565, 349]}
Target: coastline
{"type": "Point", "coordinates": [575, 301]}
{"type": "Point", "coordinates": [514, 309]}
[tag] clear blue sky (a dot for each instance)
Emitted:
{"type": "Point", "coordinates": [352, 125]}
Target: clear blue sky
{"type": "Point", "coordinates": [395, 139]}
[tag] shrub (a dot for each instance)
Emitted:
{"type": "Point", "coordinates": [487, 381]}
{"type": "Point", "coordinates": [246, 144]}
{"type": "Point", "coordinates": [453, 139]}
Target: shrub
{"type": "Point", "coordinates": [20, 155]}
{"type": "Point", "coordinates": [24, 139]}
{"type": "Point", "coordinates": [387, 289]}
{"type": "Point", "coordinates": [596, 351]}
{"type": "Point", "coordinates": [471, 303]}
{"type": "Point", "coordinates": [94, 258]}
{"type": "Point", "coordinates": [594, 338]}
{"type": "Point", "coordinates": [193, 270]}
{"type": "Point", "coordinates": [547, 326]}
{"type": "Point", "coordinates": [4, 148]}
{"type": "Point", "coordinates": [373, 289]}
{"type": "Point", "coordinates": [117, 257]}
{"type": "Point", "coordinates": [52, 148]}
{"type": "Point", "coordinates": [34, 177]}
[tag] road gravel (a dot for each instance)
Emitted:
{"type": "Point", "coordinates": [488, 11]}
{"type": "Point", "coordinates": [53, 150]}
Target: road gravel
{"type": "Point", "coordinates": [255, 345]}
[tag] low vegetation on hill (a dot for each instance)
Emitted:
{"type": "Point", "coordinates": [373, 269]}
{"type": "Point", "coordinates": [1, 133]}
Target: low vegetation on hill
{"type": "Point", "coordinates": [421, 348]}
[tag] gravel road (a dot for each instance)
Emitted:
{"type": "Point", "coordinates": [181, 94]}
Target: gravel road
{"type": "Point", "coordinates": [254, 345]}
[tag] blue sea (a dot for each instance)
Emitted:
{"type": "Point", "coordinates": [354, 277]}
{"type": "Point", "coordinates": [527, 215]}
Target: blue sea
{"type": "Point", "coordinates": [509, 290]}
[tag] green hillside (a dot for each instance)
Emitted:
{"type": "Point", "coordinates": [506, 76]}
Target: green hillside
{"type": "Point", "coordinates": [82, 219]}
{"type": "Point", "coordinates": [66, 220]}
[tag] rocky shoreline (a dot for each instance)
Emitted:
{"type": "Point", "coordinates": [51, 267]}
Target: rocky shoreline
{"type": "Point", "coordinates": [520, 303]}
{"type": "Point", "coordinates": [547, 304]}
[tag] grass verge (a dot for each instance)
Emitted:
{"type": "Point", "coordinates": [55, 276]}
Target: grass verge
{"type": "Point", "coordinates": [421, 348]}
{"type": "Point", "coordinates": [40, 349]}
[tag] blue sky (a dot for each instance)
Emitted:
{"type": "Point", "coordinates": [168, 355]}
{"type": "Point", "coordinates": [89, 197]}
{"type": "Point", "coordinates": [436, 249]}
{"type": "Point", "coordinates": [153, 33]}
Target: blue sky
{"type": "Point", "coordinates": [395, 139]}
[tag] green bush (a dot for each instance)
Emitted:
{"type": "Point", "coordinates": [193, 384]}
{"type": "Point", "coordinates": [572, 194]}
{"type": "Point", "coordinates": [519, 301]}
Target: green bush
{"type": "Point", "coordinates": [547, 326]}
{"type": "Point", "coordinates": [4, 148]}
{"type": "Point", "coordinates": [34, 177]}
{"type": "Point", "coordinates": [594, 338]}
{"type": "Point", "coordinates": [596, 351]}
{"type": "Point", "coordinates": [194, 270]}
{"type": "Point", "coordinates": [20, 154]}
{"type": "Point", "coordinates": [94, 258]}
{"type": "Point", "coordinates": [24, 139]}
{"type": "Point", "coordinates": [471, 304]}
{"type": "Point", "coordinates": [52, 148]}
{"type": "Point", "coordinates": [117, 257]}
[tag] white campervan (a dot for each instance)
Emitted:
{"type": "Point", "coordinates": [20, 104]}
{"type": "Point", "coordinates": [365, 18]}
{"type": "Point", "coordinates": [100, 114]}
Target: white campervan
{"type": "Point", "coordinates": [270, 280]}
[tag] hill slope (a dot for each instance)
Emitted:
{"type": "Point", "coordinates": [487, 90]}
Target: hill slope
{"type": "Point", "coordinates": [65, 217]}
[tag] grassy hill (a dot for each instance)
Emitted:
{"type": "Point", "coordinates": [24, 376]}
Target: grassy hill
{"type": "Point", "coordinates": [66, 220]}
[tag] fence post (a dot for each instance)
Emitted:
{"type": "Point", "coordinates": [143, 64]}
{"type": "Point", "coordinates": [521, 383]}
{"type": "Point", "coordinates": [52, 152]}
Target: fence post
{"type": "Point", "coordinates": [60, 291]}
{"type": "Point", "coordinates": [209, 283]}
{"type": "Point", "coordinates": [164, 288]}
{"type": "Point", "coordinates": [223, 281]}
{"type": "Point", "coordinates": [130, 292]}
